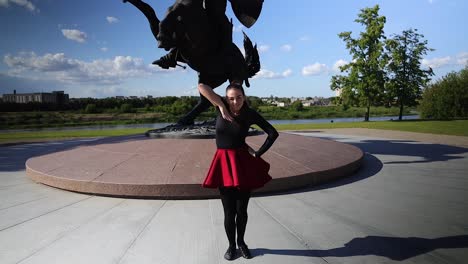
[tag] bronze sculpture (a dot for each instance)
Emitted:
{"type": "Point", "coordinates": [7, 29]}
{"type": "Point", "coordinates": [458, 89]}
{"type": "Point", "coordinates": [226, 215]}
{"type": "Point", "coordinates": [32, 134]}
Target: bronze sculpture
{"type": "Point", "coordinates": [198, 33]}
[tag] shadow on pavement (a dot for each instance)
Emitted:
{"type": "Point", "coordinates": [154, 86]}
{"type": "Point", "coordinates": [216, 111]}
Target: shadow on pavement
{"type": "Point", "coordinates": [370, 167]}
{"type": "Point", "coordinates": [395, 248]}
{"type": "Point", "coordinates": [429, 152]}
{"type": "Point", "coordinates": [14, 157]}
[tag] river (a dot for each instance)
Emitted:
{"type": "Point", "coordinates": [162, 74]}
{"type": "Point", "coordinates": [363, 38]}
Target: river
{"type": "Point", "coordinates": [160, 125]}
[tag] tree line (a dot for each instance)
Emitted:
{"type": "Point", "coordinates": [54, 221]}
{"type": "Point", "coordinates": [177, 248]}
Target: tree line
{"type": "Point", "coordinates": [168, 104]}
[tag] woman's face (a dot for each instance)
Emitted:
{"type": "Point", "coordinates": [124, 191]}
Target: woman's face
{"type": "Point", "coordinates": [235, 99]}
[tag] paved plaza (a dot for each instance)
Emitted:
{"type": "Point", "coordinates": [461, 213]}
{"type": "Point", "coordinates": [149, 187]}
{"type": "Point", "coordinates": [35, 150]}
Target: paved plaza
{"type": "Point", "coordinates": [407, 204]}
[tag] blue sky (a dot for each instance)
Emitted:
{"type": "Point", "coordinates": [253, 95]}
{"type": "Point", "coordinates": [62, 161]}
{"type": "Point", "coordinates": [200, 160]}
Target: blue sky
{"type": "Point", "coordinates": [105, 48]}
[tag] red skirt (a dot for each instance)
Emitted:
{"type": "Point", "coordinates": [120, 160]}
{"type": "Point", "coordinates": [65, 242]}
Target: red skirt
{"type": "Point", "coordinates": [237, 168]}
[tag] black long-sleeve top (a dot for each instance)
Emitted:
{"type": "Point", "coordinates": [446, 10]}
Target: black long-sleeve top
{"type": "Point", "coordinates": [231, 135]}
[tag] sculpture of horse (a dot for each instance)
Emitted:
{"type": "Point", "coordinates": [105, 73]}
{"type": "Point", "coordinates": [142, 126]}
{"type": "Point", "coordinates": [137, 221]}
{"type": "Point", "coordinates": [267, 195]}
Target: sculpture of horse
{"type": "Point", "coordinates": [198, 33]}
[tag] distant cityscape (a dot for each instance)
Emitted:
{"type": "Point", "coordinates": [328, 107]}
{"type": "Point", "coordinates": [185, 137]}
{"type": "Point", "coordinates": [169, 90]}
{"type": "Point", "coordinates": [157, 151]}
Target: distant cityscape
{"type": "Point", "coordinates": [55, 97]}
{"type": "Point", "coordinates": [60, 97]}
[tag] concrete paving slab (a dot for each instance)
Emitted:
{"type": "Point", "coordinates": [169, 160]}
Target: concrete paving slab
{"type": "Point", "coordinates": [26, 211]}
{"type": "Point", "coordinates": [400, 207]}
{"type": "Point", "coordinates": [105, 239]}
{"type": "Point", "coordinates": [181, 232]}
{"type": "Point", "coordinates": [24, 240]}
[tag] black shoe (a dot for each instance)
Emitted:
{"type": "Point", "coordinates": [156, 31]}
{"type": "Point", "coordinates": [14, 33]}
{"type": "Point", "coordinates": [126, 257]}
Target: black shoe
{"type": "Point", "coordinates": [245, 252]}
{"type": "Point", "coordinates": [230, 253]}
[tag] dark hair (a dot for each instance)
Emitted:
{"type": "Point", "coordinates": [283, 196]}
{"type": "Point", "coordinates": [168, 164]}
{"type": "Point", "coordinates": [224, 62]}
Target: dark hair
{"type": "Point", "coordinates": [236, 86]}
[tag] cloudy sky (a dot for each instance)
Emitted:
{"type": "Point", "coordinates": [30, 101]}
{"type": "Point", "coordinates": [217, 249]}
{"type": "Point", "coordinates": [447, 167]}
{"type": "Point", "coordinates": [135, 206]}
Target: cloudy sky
{"type": "Point", "coordinates": [104, 48]}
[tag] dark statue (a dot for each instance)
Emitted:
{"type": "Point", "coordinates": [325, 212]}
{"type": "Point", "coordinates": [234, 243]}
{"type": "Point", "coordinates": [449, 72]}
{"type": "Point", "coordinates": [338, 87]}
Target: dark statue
{"type": "Point", "coordinates": [198, 33]}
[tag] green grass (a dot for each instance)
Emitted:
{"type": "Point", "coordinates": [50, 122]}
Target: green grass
{"type": "Point", "coordinates": [15, 137]}
{"type": "Point", "coordinates": [454, 127]}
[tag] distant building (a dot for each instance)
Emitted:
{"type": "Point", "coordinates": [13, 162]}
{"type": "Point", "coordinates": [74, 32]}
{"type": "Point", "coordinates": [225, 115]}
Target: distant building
{"type": "Point", "coordinates": [279, 104]}
{"type": "Point", "coordinates": [56, 97]}
{"type": "Point", "coordinates": [308, 103]}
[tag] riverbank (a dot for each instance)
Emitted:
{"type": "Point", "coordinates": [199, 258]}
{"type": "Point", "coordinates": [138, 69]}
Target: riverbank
{"type": "Point", "coordinates": [49, 119]}
{"type": "Point", "coordinates": [453, 127]}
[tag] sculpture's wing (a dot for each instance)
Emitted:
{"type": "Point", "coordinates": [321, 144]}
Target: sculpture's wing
{"type": "Point", "coordinates": [247, 11]}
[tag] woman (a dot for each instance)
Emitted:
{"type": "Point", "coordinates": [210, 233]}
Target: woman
{"type": "Point", "coordinates": [236, 168]}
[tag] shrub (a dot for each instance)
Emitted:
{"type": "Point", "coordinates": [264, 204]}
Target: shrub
{"type": "Point", "coordinates": [446, 98]}
{"type": "Point", "coordinates": [127, 108]}
{"type": "Point", "coordinates": [91, 109]}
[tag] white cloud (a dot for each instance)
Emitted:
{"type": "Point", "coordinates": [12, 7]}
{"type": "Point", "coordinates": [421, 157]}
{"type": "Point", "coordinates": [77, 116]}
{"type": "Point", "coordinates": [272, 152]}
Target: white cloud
{"type": "Point", "coordinates": [112, 19]}
{"type": "Point", "coordinates": [462, 58]}
{"type": "Point", "coordinates": [75, 35]}
{"type": "Point", "coordinates": [286, 48]}
{"type": "Point", "coordinates": [60, 68]}
{"type": "Point", "coordinates": [23, 3]}
{"type": "Point", "coordinates": [338, 64]}
{"type": "Point", "coordinates": [314, 69]}
{"type": "Point", "coordinates": [436, 62]}
{"type": "Point", "coordinates": [46, 63]}
{"type": "Point", "coordinates": [287, 73]}
{"type": "Point", "coordinates": [104, 49]}
{"type": "Point", "coordinates": [238, 28]}
{"type": "Point", "coordinates": [263, 48]}
{"type": "Point", "coordinates": [267, 74]}
{"type": "Point", "coordinates": [304, 38]}
{"type": "Point", "coordinates": [192, 91]}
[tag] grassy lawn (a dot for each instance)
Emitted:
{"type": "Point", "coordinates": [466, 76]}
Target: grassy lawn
{"type": "Point", "coordinates": [456, 127]}
{"type": "Point", "coordinates": [14, 137]}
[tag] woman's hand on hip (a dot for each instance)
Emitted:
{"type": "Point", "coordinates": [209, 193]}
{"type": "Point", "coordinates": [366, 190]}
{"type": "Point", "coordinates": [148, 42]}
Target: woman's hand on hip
{"type": "Point", "coordinates": [226, 115]}
{"type": "Point", "coordinates": [252, 151]}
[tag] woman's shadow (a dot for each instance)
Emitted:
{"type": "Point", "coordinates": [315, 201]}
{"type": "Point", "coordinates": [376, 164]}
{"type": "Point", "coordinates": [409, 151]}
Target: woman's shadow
{"type": "Point", "coordinates": [395, 248]}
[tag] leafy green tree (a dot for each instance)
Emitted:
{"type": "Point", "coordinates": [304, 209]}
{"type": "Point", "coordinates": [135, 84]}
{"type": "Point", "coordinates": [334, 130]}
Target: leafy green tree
{"type": "Point", "coordinates": [365, 81]}
{"type": "Point", "coordinates": [91, 109]}
{"type": "Point", "coordinates": [406, 77]}
{"type": "Point", "coordinates": [254, 102]}
{"type": "Point", "coordinates": [297, 106]}
{"type": "Point", "coordinates": [127, 108]}
{"type": "Point", "coordinates": [447, 98]}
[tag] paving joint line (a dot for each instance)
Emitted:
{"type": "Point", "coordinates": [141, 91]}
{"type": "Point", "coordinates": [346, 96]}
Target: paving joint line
{"type": "Point", "coordinates": [366, 228]}
{"type": "Point", "coordinates": [297, 236]}
{"type": "Point", "coordinates": [141, 232]}
{"type": "Point", "coordinates": [43, 214]}
{"type": "Point", "coordinates": [30, 201]}
{"type": "Point", "coordinates": [69, 231]}
{"type": "Point", "coordinates": [212, 229]}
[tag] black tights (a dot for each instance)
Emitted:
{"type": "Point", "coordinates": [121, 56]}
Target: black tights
{"type": "Point", "coordinates": [235, 204]}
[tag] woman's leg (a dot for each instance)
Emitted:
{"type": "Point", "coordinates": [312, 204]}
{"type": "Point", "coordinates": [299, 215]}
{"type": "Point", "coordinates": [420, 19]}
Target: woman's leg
{"type": "Point", "coordinates": [228, 198]}
{"type": "Point", "coordinates": [241, 219]}
{"type": "Point", "coordinates": [149, 13]}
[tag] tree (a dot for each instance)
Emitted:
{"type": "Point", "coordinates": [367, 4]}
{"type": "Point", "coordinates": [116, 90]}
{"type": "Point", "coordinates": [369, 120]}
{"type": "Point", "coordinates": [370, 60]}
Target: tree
{"type": "Point", "coordinates": [91, 109]}
{"type": "Point", "coordinates": [446, 98]}
{"type": "Point", "coordinates": [297, 105]}
{"type": "Point", "coordinates": [406, 78]}
{"type": "Point", "coordinates": [364, 83]}
{"type": "Point", "coordinates": [127, 108]}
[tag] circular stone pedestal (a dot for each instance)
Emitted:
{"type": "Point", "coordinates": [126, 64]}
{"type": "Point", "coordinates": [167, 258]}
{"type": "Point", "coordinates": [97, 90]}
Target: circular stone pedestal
{"type": "Point", "coordinates": [175, 168]}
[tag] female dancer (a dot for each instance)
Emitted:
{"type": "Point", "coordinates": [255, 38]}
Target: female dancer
{"type": "Point", "coordinates": [236, 168]}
